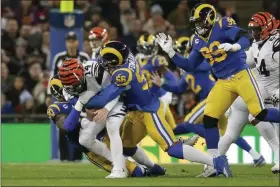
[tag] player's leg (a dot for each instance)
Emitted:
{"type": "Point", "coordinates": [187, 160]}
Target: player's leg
{"type": "Point", "coordinates": [161, 132]}
{"type": "Point", "coordinates": [170, 118]}
{"type": "Point", "coordinates": [106, 165]}
{"type": "Point", "coordinates": [113, 124]}
{"type": "Point", "coordinates": [194, 117]}
{"type": "Point", "coordinates": [218, 101]}
{"type": "Point", "coordinates": [87, 138]}
{"type": "Point", "coordinates": [133, 131]}
{"type": "Point", "coordinates": [248, 89]}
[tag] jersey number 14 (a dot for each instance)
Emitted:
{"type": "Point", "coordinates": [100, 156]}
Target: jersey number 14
{"type": "Point", "coordinates": [262, 70]}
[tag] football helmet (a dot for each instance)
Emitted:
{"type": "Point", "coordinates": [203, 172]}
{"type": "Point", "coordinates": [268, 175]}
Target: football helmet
{"type": "Point", "coordinates": [146, 45]}
{"type": "Point", "coordinates": [113, 54]}
{"type": "Point", "coordinates": [71, 75]}
{"type": "Point", "coordinates": [262, 25]}
{"type": "Point", "coordinates": [203, 17]}
{"type": "Point", "coordinates": [56, 88]}
{"type": "Point", "coordinates": [181, 45]}
{"type": "Point", "coordinates": [97, 37]}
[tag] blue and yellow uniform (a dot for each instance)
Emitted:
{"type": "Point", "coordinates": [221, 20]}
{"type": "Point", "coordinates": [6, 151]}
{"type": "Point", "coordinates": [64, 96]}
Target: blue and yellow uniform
{"type": "Point", "coordinates": [159, 64]}
{"type": "Point", "coordinates": [58, 109]}
{"type": "Point", "coordinates": [234, 77]}
{"type": "Point", "coordinates": [145, 111]}
{"type": "Point", "coordinates": [200, 83]}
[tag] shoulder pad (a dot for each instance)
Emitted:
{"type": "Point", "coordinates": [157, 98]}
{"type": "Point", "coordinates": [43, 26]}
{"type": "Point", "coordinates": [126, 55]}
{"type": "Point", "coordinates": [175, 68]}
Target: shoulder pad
{"type": "Point", "coordinates": [159, 61]}
{"type": "Point", "coordinates": [53, 110]}
{"type": "Point", "coordinates": [122, 77]}
{"type": "Point", "coordinates": [226, 22]}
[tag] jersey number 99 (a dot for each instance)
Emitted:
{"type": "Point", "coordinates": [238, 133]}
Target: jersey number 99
{"type": "Point", "coordinates": [213, 55]}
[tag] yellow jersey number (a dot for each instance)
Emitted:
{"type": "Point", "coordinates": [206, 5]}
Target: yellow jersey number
{"type": "Point", "coordinates": [213, 55]}
{"type": "Point", "coordinates": [191, 82]}
{"type": "Point", "coordinates": [141, 78]}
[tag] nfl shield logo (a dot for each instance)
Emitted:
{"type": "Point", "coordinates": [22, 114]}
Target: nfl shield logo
{"type": "Point", "coordinates": [69, 20]}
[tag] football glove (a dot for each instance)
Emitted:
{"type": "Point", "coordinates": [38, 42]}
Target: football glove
{"type": "Point", "coordinates": [230, 47]}
{"type": "Point", "coordinates": [275, 97]}
{"type": "Point", "coordinates": [165, 42]}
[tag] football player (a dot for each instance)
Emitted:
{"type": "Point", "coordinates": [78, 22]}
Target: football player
{"type": "Point", "coordinates": [200, 83]}
{"type": "Point", "coordinates": [85, 80]}
{"type": "Point", "coordinates": [58, 112]}
{"type": "Point", "coordinates": [97, 37]}
{"type": "Point", "coordinates": [223, 45]}
{"type": "Point", "coordinates": [150, 62]}
{"type": "Point", "coordinates": [264, 56]}
{"type": "Point", "coordinates": [146, 112]}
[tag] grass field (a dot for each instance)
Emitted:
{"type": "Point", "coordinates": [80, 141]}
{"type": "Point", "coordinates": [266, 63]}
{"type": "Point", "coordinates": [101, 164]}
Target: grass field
{"type": "Point", "coordinates": [65, 174]}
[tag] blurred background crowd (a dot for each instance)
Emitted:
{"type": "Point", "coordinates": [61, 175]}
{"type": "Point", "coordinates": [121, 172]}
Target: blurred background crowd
{"type": "Point", "coordinates": [25, 43]}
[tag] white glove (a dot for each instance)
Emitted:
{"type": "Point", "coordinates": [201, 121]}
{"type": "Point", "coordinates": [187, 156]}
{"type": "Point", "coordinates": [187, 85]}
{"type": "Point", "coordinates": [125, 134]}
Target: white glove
{"type": "Point", "coordinates": [275, 97]}
{"type": "Point", "coordinates": [165, 43]}
{"type": "Point", "coordinates": [230, 47]}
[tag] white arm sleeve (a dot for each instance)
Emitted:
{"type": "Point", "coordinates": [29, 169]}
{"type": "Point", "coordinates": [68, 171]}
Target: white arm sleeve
{"type": "Point", "coordinates": [112, 103]}
{"type": "Point", "coordinates": [250, 58]}
{"type": "Point", "coordinates": [276, 56]}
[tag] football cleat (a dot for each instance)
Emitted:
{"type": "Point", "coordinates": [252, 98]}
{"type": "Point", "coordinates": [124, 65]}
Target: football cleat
{"type": "Point", "coordinates": [259, 162]}
{"type": "Point", "coordinates": [117, 174]}
{"type": "Point", "coordinates": [156, 170]}
{"type": "Point", "coordinates": [191, 141]}
{"type": "Point", "coordinates": [275, 168]}
{"type": "Point", "coordinates": [209, 171]}
{"type": "Point", "coordinates": [221, 165]}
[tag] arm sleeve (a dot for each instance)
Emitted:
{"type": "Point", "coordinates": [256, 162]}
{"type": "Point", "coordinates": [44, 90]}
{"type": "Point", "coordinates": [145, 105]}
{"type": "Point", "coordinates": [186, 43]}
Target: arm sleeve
{"type": "Point", "coordinates": [176, 88]}
{"type": "Point", "coordinates": [72, 120]}
{"type": "Point", "coordinates": [190, 63]}
{"type": "Point", "coordinates": [250, 58]}
{"type": "Point", "coordinates": [169, 77]}
{"type": "Point", "coordinates": [240, 36]}
{"type": "Point", "coordinates": [105, 96]}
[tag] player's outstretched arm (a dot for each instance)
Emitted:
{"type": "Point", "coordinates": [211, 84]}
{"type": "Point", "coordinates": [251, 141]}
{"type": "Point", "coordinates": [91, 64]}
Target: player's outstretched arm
{"type": "Point", "coordinates": [174, 87]}
{"type": "Point", "coordinates": [108, 94]}
{"type": "Point", "coordinates": [188, 64]}
{"type": "Point", "coordinates": [240, 38]}
{"type": "Point", "coordinates": [72, 120]}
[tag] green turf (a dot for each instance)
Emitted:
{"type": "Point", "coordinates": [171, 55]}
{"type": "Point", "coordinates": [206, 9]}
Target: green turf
{"type": "Point", "coordinates": [65, 174]}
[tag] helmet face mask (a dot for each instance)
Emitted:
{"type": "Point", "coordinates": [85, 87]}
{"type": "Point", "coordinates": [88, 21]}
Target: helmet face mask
{"type": "Point", "coordinates": [74, 89]}
{"type": "Point", "coordinates": [95, 44]}
{"type": "Point", "coordinates": [256, 32]}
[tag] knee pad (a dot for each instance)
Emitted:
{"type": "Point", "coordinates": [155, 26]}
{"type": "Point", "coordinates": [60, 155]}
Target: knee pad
{"type": "Point", "coordinates": [261, 115]}
{"type": "Point", "coordinates": [129, 151]}
{"type": "Point", "coordinates": [210, 122]}
{"type": "Point", "coordinates": [176, 150]}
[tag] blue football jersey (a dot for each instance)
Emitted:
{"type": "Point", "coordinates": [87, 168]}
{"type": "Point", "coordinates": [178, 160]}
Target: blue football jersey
{"type": "Point", "coordinates": [200, 82]}
{"type": "Point", "coordinates": [224, 64]}
{"type": "Point", "coordinates": [137, 94]}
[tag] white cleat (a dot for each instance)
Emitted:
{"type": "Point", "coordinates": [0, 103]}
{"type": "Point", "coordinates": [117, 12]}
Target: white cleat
{"type": "Point", "coordinates": [209, 171]}
{"type": "Point", "coordinates": [118, 174]}
{"type": "Point", "coordinates": [275, 168]}
{"type": "Point", "coordinates": [191, 141]}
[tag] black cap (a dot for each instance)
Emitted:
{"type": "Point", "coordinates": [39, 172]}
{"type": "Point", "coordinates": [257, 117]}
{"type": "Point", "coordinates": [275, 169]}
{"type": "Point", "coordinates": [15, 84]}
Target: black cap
{"type": "Point", "coordinates": [71, 36]}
